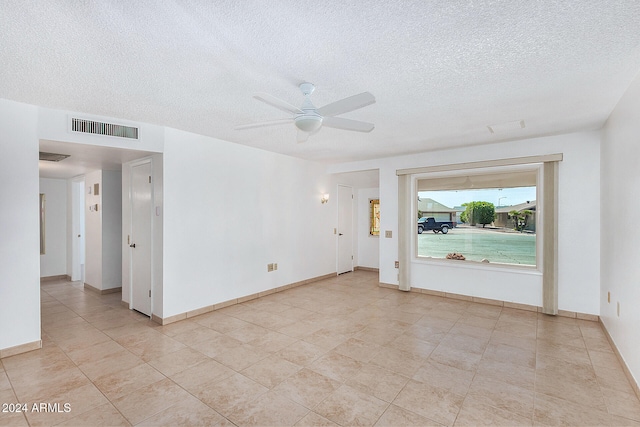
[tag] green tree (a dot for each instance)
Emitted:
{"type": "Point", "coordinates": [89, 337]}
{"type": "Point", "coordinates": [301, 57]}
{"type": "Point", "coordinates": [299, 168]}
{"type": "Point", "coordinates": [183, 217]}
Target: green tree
{"type": "Point", "coordinates": [480, 213]}
{"type": "Point", "coordinates": [463, 216]}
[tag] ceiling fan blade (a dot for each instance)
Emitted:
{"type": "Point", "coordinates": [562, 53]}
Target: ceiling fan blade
{"type": "Point", "coordinates": [263, 124]}
{"type": "Point", "coordinates": [277, 102]}
{"type": "Point", "coordinates": [347, 104]}
{"type": "Point", "coordinates": [347, 124]}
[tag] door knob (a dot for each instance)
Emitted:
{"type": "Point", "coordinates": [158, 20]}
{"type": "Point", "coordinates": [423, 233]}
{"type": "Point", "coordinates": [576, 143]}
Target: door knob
{"type": "Point", "coordinates": [133, 245]}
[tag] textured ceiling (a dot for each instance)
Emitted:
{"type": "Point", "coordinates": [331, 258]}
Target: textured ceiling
{"type": "Point", "coordinates": [441, 71]}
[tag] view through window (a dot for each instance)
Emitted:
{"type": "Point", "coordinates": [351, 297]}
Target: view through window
{"type": "Point", "coordinates": [466, 220]}
{"type": "Point", "coordinates": [374, 217]}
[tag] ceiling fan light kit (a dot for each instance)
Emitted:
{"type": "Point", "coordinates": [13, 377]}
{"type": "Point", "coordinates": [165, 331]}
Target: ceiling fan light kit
{"type": "Point", "coordinates": [308, 122]}
{"type": "Point", "coordinates": [309, 119]}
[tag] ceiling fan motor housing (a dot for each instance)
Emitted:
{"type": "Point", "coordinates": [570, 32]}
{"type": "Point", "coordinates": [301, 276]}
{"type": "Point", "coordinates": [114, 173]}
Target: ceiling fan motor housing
{"type": "Point", "coordinates": [309, 120]}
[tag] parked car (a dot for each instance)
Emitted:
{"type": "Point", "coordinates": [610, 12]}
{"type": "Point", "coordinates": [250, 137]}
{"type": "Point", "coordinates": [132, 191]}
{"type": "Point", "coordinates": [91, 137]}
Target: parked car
{"type": "Point", "coordinates": [426, 224]}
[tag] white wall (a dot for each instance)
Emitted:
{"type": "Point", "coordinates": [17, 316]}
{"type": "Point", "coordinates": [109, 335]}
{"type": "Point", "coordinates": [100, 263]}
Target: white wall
{"type": "Point", "coordinates": [111, 229]}
{"type": "Point", "coordinates": [620, 206]}
{"type": "Point", "coordinates": [578, 251]}
{"type": "Point", "coordinates": [157, 290]}
{"type": "Point", "coordinates": [20, 242]}
{"type": "Point", "coordinates": [368, 254]}
{"type": "Point", "coordinates": [229, 210]}
{"type": "Point", "coordinates": [93, 229]}
{"type": "Point", "coordinates": [103, 229]}
{"type": "Point", "coordinates": [54, 260]}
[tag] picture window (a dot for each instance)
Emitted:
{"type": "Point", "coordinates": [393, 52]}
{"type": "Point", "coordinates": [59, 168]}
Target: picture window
{"type": "Point", "coordinates": [485, 217]}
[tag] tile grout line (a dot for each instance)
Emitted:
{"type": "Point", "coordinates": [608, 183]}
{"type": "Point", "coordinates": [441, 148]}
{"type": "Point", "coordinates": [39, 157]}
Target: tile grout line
{"type": "Point", "coordinates": [391, 304]}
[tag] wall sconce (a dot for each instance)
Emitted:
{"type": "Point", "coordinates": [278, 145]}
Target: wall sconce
{"type": "Point", "coordinates": [324, 199]}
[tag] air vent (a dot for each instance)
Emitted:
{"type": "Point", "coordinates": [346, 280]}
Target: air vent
{"type": "Point", "coordinates": [52, 157]}
{"type": "Point", "coordinates": [506, 127]}
{"type": "Point", "coordinates": [100, 128]}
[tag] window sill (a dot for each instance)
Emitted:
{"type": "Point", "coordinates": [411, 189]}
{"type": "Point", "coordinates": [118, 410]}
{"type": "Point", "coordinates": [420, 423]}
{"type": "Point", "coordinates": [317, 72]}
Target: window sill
{"type": "Point", "coordinates": [477, 265]}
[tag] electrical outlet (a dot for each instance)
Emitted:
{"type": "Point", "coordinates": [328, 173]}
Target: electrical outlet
{"type": "Point", "coordinates": [397, 264]}
{"type": "Point", "coordinates": [269, 268]}
{"type": "Point", "coordinates": [388, 234]}
{"type": "Point", "coordinates": [275, 266]}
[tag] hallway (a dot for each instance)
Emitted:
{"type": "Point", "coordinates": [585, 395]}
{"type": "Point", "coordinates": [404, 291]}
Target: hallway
{"type": "Point", "coordinates": [341, 351]}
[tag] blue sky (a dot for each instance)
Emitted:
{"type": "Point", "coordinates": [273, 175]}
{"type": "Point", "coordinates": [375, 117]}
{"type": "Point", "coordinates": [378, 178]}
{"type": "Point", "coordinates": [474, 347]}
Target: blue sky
{"type": "Point", "coordinates": [505, 197]}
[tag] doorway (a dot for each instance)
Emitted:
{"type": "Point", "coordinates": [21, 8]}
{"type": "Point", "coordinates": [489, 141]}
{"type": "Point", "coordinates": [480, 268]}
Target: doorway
{"type": "Point", "coordinates": [344, 261]}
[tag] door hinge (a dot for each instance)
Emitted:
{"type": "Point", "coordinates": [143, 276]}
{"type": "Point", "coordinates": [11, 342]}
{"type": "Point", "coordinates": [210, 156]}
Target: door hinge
{"type": "Point", "coordinates": [149, 293]}
{"type": "Point", "coordinates": [149, 179]}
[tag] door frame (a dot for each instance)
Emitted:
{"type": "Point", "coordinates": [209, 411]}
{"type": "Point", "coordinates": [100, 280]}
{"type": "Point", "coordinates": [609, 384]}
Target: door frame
{"type": "Point", "coordinates": [130, 167]}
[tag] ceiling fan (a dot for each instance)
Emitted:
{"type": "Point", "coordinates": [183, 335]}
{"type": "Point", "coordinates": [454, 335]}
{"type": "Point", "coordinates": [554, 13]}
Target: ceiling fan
{"type": "Point", "coordinates": [309, 119]}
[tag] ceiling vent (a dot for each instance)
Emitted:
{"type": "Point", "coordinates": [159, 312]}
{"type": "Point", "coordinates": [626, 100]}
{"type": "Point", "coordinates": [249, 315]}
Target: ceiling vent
{"type": "Point", "coordinates": [506, 127]}
{"type": "Point", "coordinates": [101, 128]}
{"type": "Point", "coordinates": [52, 157]}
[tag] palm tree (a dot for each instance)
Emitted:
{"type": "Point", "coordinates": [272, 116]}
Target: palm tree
{"type": "Point", "coordinates": [521, 218]}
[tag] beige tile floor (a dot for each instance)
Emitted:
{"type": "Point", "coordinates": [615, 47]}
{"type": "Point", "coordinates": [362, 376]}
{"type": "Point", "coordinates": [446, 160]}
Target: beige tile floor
{"type": "Point", "coordinates": [342, 351]}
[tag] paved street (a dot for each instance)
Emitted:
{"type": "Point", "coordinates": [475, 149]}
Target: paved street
{"type": "Point", "coordinates": [477, 244]}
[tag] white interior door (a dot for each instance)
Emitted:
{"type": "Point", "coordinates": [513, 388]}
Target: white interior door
{"type": "Point", "coordinates": [140, 242]}
{"type": "Point", "coordinates": [345, 229]}
{"type": "Point", "coordinates": [77, 236]}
